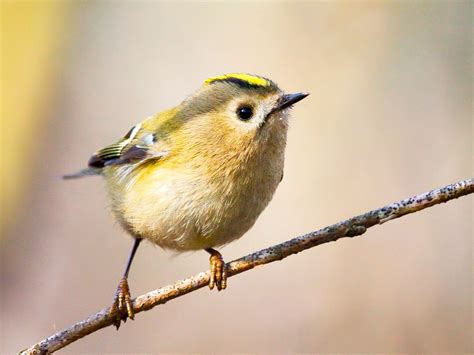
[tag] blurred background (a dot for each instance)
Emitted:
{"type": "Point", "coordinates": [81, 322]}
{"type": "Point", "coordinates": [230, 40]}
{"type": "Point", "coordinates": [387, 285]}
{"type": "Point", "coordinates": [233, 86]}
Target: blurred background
{"type": "Point", "coordinates": [389, 116]}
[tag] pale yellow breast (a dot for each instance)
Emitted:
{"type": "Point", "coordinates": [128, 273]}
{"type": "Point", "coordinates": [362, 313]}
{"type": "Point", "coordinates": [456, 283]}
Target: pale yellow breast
{"type": "Point", "coordinates": [191, 202]}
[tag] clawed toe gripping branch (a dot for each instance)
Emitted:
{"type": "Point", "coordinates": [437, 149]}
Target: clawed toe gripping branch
{"type": "Point", "coordinates": [349, 228]}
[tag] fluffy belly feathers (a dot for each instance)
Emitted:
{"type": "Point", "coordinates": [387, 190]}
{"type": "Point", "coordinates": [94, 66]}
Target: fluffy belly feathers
{"type": "Point", "coordinates": [183, 210]}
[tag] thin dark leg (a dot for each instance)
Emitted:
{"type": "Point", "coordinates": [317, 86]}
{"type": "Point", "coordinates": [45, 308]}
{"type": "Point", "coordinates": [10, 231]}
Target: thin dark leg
{"type": "Point", "coordinates": [122, 306]}
{"type": "Point", "coordinates": [131, 256]}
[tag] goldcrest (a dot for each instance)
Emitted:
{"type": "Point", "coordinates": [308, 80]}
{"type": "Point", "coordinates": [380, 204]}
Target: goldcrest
{"type": "Point", "coordinates": [197, 176]}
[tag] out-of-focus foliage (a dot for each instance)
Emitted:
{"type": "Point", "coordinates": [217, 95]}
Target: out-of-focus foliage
{"type": "Point", "coordinates": [31, 32]}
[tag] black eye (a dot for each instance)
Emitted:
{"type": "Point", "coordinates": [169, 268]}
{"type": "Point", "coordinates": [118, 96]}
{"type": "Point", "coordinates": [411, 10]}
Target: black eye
{"type": "Point", "coordinates": [245, 113]}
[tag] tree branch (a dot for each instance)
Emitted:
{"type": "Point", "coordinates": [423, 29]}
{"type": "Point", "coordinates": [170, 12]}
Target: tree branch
{"type": "Point", "coordinates": [348, 228]}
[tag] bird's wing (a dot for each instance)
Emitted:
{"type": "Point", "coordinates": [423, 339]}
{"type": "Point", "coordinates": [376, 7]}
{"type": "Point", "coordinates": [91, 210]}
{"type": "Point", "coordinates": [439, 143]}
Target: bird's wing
{"type": "Point", "coordinates": [136, 146]}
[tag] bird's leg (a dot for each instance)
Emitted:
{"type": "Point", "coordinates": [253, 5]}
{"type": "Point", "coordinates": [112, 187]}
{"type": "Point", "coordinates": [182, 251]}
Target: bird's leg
{"type": "Point", "coordinates": [122, 306]}
{"type": "Point", "coordinates": [218, 270]}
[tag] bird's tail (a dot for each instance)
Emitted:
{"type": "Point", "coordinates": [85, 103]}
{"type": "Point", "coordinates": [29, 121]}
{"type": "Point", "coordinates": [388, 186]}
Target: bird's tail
{"type": "Point", "coordinates": [82, 173]}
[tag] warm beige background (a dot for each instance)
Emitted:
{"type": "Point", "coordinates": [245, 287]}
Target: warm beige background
{"type": "Point", "coordinates": [390, 115]}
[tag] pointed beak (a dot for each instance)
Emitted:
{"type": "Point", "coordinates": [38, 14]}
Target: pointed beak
{"type": "Point", "coordinates": [288, 100]}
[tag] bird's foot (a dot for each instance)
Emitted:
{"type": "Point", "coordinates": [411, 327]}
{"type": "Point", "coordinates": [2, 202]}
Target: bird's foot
{"type": "Point", "coordinates": [122, 307]}
{"type": "Point", "coordinates": [218, 271]}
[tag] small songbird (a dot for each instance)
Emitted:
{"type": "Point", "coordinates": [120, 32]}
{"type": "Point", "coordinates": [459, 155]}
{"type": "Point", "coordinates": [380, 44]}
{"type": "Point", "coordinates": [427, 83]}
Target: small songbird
{"type": "Point", "coordinates": [197, 176]}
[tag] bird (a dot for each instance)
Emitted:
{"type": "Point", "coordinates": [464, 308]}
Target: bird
{"type": "Point", "coordinates": [198, 175]}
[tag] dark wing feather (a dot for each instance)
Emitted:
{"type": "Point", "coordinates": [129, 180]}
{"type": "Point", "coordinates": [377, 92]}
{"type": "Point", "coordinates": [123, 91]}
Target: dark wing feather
{"type": "Point", "coordinates": [125, 151]}
{"type": "Point", "coordinates": [134, 153]}
{"type": "Point", "coordinates": [132, 148]}
{"type": "Point", "coordinates": [107, 154]}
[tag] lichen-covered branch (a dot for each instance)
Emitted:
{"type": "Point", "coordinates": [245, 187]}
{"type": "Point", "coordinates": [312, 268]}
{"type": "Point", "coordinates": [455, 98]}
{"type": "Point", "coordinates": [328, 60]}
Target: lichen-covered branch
{"type": "Point", "coordinates": [349, 228]}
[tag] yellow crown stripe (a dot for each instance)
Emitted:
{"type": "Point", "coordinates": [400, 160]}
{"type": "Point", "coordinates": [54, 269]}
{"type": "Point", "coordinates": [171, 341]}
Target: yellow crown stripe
{"type": "Point", "coordinates": [249, 79]}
